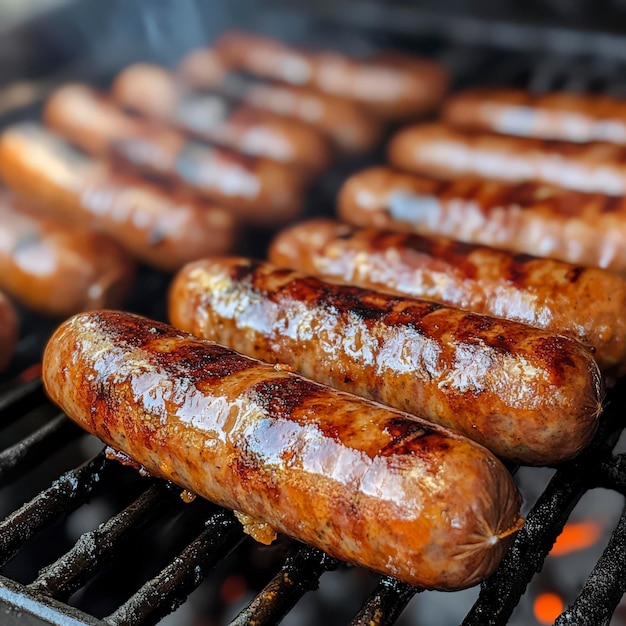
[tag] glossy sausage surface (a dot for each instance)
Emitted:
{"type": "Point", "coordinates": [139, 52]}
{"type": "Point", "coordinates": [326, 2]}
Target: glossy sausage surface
{"type": "Point", "coordinates": [441, 151]}
{"type": "Point", "coordinates": [152, 91]}
{"type": "Point", "coordinates": [356, 479]}
{"type": "Point", "coordinates": [586, 304]}
{"type": "Point", "coordinates": [9, 331]}
{"type": "Point", "coordinates": [58, 269]}
{"type": "Point", "coordinates": [391, 85]}
{"type": "Point", "coordinates": [257, 190]}
{"type": "Point", "coordinates": [529, 218]}
{"type": "Point", "coordinates": [527, 395]}
{"type": "Point", "coordinates": [350, 127]}
{"type": "Point", "coordinates": [162, 227]}
{"type": "Point", "coordinates": [558, 115]}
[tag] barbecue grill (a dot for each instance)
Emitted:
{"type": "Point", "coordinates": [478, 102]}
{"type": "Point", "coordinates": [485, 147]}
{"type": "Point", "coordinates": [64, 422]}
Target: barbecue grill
{"type": "Point", "coordinates": [146, 549]}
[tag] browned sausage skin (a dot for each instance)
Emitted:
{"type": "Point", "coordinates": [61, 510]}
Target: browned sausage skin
{"type": "Point", "coordinates": [257, 190]}
{"type": "Point", "coordinates": [586, 304]}
{"type": "Point", "coordinates": [58, 269]}
{"type": "Point", "coordinates": [9, 331]}
{"type": "Point", "coordinates": [527, 395]}
{"type": "Point", "coordinates": [558, 115]}
{"type": "Point", "coordinates": [356, 479]}
{"type": "Point", "coordinates": [152, 91]}
{"type": "Point", "coordinates": [163, 228]}
{"type": "Point", "coordinates": [390, 85]}
{"type": "Point", "coordinates": [530, 218]}
{"type": "Point", "coordinates": [350, 127]}
{"type": "Point", "coordinates": [441, 151]}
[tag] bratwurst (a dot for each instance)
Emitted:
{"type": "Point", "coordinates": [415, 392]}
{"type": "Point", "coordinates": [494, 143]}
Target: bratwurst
{"type": "Point", "coordinates": [358, 480]}
{"type": "Point", "coordinates": [445, 152]}
{"type": "Point", "coordinates": [527, 395]}
{"type": "Point", "coordinates": [530, 218]}
{"type": "Point", "coordinates": [59, 269]}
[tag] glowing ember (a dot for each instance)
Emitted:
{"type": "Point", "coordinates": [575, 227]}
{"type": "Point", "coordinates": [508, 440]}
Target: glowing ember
{"type": "Point", "coordinates": [576, 537]}
{"type": "Point", "coordinates": [548, 606]}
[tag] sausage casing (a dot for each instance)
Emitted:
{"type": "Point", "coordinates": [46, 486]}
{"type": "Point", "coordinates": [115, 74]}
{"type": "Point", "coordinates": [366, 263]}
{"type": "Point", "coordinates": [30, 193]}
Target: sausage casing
{"type": "Point", "coordinates": [558, 115]}
{"type": "Point", "coordinates": [58, 269]}
{"type": "Point", "coordinates": [356, 479]}
{"type": "Point", "coordinates": [257, 190]}
{"type": "Point", "coordinates": [529, 218]}
{"type": "Point", "coordinates": [351, 128]}
{"type": "Point", "coordinates": [9, 331]}
{"type": "Point", "coordinates": [527, 395]}
{"type": "Point", "coordinates": [586, 304]}
{"type": "Point", "coordinates": [441, 151]}
{"type": "Point", "coordinates": [152, 91]}
{"type": "Point", "coordinates": [162, 227]}
{"type": "Point", "coordinates": [390, 85]}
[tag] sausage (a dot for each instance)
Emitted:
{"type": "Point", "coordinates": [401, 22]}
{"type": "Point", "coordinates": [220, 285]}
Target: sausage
{"type": "Point", "coordinates": [558, 115]}
{"type": "Point", "coordinates": [152, 91]}
{"type": "Point", "coordinates": [529, 218]}
{"type": "Point", "coordinates": [528, 395]}
{"type": "Point", "coordinates": [163, 228]}
{"type": "Point", "coordinates": [9, 331]}
{"type": "Point", "coordinates": [358, 480]}
{"type": "Point", "coordinates": [58, 269]}
{"type": "Point", "coordinates": [351, 128]}
{"type": "Point", "coordinates": [587, 304]}
{"type": "Point", "coordinates": [390, 85]}
{"type": "Point", "coordinates": [257, 190]}
{"type": "Point", "coordinates": [441, 151]}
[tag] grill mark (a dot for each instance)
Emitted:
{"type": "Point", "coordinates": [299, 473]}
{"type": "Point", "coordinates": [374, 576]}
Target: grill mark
{"type": "Point", "coordinates": [280, 397]}
{"type": "Point", "coordinates": [555, 351]}
{"type": "Point", "coordinates": [574, 274]}
{"type": "Point", "coordinates": [612, 204]}
{"type": "Point", "coordinates": [411, 438]}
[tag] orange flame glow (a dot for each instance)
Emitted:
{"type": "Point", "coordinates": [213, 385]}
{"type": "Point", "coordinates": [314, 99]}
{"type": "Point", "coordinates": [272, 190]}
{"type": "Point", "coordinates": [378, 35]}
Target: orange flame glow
{"type": "Point", "coordinates": [575, 537]}
{"type": "Point", "coordinates": [547, 607]}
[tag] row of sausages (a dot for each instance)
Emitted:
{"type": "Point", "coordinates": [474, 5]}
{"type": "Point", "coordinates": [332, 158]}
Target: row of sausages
{"type": "Point", "coordinates": [166, 168]}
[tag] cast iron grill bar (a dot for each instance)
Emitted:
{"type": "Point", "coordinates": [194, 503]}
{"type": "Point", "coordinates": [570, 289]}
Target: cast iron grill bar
{"type": "Point", "coordinates": [19, 400]}
{"type": "Point", "coordinates": [171, 586]}
{"type": "Point", "coordinates": [612, 475]}
{"type": "Point", "coordinates": [605, 586]}
{"type": "Point", "coordinates": [502, 591]}
{"type": "Point", "coordinates": [300, 573]}
{"type": "Point", "coordinates": [32, 450]}
{"type": "Point", "coordinates": [65, 494]}
{"type": "Point", "coordinates": [96, 548]}
{"type": "Point", "coordinates": [385, 604]}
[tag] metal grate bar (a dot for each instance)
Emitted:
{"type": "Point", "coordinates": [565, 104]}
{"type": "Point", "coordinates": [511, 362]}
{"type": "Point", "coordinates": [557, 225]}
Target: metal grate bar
{"type": "Point", "coordinates": [32, 450]}
{"type": "Point", "coordinates": [65, 494]}
{"type": "Point", "coordinates": [96, 548]}
{"type": "Point", "coordinates": [605, 586]}
{"type": "Point", "coordinates": [385, 604]}
{"type": "Point", "coordinates": [300, 573]}
{"type": "Point", "coordinates": [613, 474]}
{"type": "Point", "coordinates": [18, 401]}
{"type": "Point", "coordinates": [167, 591]}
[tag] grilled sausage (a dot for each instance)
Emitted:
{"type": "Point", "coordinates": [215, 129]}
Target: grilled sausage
{"type": "Point", "coordinates": [564, 116]}
{"type": "Point", "coordinates": [351, 128]}
{"type": "Point", "coordinates": [57, 269]}
{"type": "Point", "coordinates": [586, 304]}
{"type": "Point", "coordinates": [152, 91]}
{"type": "Point", "coordinates": [441, 151]}
{"type": "Point", "coordinates": [529, 218]}
{"type": "Point", "coordinates": [527, 395]}
{"type": "Point", "coordinates": [9, 331]}
{"type": "Point", "coordinates": [163, 228]}
{"type": "Point", "coordinates": [390, 85]}
{"type": "Point", "coordinates": [356, 479]}
{"type": "Point", "coordinates": [257, 190]}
